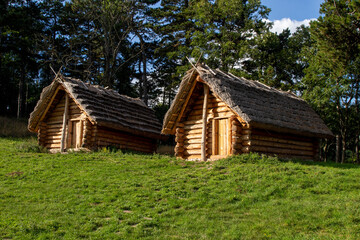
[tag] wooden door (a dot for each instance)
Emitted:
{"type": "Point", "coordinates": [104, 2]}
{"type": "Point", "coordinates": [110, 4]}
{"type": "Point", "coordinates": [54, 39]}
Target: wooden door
{"type": "Point", "coordinates": [220, 137]}
{"type": "Point", "coordinates": [76, 134]}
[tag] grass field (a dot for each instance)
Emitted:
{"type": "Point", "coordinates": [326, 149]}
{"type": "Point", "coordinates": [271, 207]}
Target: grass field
{"type": "Point", "coordinates": [114, 195]}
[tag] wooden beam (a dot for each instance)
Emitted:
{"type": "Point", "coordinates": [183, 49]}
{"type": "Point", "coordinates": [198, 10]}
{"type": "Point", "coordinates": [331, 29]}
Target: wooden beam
{"type": "Point", "coordinates": [63, 133]}
{"type": "Point", "coordinates": [204, 119]}
{"type": "Point", "coordinates": [183, 107]}
{"type": "Point", "coordinates": [48, 106]}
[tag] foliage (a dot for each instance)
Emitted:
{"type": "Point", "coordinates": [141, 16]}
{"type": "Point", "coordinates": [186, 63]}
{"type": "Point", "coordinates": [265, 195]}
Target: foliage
{"type": "Point", "coordinates": [331, 83]}
{"type": "Point", "coordinates": [107, 195]}
{"type": "Point", "coordinates": [276, 60]}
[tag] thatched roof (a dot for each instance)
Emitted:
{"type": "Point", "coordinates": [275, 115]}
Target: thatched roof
{"type": "Point", "coordinates": [257, 104]}
{"type": "Point", "coordinates": [104, 107]}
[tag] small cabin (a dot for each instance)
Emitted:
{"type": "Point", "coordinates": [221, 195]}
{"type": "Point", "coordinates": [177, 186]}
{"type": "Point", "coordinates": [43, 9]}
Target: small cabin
{"type": "Point", "coordinates": [216, 114]}
{"type": "Point", "coordinates": [73, 115]}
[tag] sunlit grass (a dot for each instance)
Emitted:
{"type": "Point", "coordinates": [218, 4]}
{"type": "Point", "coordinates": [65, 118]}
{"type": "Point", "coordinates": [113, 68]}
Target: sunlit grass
{"type": "Point", "coordinates": [115, 195]}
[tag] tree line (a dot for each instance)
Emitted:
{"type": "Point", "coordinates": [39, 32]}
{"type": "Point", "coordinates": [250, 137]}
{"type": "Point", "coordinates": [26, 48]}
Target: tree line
{"type": "Point", "coordinates": [140, 49]}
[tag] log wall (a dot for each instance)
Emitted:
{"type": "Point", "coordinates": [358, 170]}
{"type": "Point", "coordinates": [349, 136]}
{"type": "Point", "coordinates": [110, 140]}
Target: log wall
{"type": "Point", "coordinates": [280, 144]}
{"type": "Point", "coordinates": [50, 128]}
{"type": "Point", "coordinates": [109, 137]}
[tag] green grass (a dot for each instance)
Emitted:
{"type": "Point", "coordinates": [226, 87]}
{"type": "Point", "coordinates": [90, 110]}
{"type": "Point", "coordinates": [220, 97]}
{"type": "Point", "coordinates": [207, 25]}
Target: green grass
{"type": "Point", "coordinates": [114, 195]}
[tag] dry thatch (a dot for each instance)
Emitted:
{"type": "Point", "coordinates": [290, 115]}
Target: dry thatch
{"type": "Point", "coordinates": [104, 107]}
{"type": "Point", "coordinates": [259, 105]}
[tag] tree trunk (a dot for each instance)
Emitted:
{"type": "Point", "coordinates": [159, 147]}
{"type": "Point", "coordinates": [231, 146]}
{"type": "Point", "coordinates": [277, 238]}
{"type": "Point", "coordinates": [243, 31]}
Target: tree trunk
{"type": "Point", "coordinates": [326, 147]}
{"type": "Point", "coordinates": [20, 95]}
{"type": "Point", "coordinates": [337, 157]}
{"type": "Point", "coordinates": [26, 97]}
{"type": "Point", "coordinates": [343, 141]}
{"type": "Point", "coordinates": [144, 72]}
{"type": "Point", "coordinates": [140, 81]}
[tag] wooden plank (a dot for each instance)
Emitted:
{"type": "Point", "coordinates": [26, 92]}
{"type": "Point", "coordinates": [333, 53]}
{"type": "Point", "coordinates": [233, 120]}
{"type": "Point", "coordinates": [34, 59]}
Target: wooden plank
{"type": "Point", "coordinates": [62, 145]}
{"type": "Point", "coordinates": [204, 119]}
{"type": "Point", "coordinates": [229, 136]}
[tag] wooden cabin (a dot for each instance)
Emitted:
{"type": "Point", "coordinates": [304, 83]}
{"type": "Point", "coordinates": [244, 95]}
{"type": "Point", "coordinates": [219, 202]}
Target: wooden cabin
{"type": "Point", "coordinates": [216, 114]}
{"type": "Point", "coordinates": [75, 115]}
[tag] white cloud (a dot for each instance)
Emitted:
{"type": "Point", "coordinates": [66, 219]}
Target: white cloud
{"type": "Point", "coordinates": [280, 25]}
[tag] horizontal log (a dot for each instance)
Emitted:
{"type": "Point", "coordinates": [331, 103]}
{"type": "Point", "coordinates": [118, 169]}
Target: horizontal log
{"type": "Point", "coordinates": [53, 141]}
{"type": "Point", "coordinates": [115, 133]}
{"type": "Point", "coordinates": [213, 115]}
{"type": "Point", "coordinates": [237, 146]}
{"type": "Point", "coordinates": [192, 122]}
{"type": "Point", "coordinates": [192, 146]}
{"type": "Point", "coordinates": [211, 98]}
{"type": "Point", "coordinates": [56, 119]}
{"type": "Point", "coordinates": [280, 151]}
{"type": "Point", "coordinates": [192, 141]}
{"type": "Point", "coordinates": [192, 152]}
{"type": "Point", "coordinates": [194, 131]}
{"type": "Point", "coordinates": [279, 140]}
{"type": "Point", "coordinates": [124, 143]}
{"type": "Point", "coordinates": [192, 157]}
{"type": "Point", "coordinates": [210, 110]}
{"type": "Point", "coordinates": [122, 140]}
{"type": "Point", "coordinates": [54, 137]}
{"type": "Point", "coordinates": [53, 131]}
{"type": "Point", "coordinates": [54, 114]}
{"type": "Point", "coordinates": [245, 131]}
{"type": "Point", "coordinates": [286, 136]}
{"type": "Point", "coordinates": [245, 149]}
{"type": "Point", "coordinates": [192, 136]}
{"type": "Point", "coordinates": [193, 126]}
{"type": "Point", "coordinates": [52, 146]}
{"type": "Point", "coordinates": [210, 105]}
{"type": "Point", "coordinates": [275, 144]}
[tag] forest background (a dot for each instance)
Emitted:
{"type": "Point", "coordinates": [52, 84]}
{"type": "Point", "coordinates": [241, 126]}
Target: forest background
{"type": "Point", "coordinates": [139, 48]}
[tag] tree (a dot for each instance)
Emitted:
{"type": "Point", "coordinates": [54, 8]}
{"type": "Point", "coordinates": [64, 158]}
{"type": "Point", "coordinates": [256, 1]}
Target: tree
{"type": "Point", "coordinates": [20, 26]}
{"type": "Point", "coordinates": [334, 64]}
{"type": "Point", "coordinates": [276, 59]}
{"type": "Point", "coordinates": [226, 30]}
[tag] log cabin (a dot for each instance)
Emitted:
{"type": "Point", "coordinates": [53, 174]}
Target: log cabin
{"type": "Point", "coordinates": [216, 114]}
{"type": "Point", "coordinates": [73, 115]}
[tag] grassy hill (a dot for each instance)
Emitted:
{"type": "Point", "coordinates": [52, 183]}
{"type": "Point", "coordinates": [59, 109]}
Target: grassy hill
{"type": "Point", "coordinates": [115, 195]}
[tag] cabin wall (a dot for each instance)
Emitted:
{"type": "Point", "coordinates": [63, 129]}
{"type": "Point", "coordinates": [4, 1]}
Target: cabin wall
{"type": "Point", "coordinates": [189, 129]}
{"type": "Point", "coordinates": [50, 128]}
{"type": "Point", "coordinates": [280, 144]}
{"type": "Point", "coordinates": [104, 137]}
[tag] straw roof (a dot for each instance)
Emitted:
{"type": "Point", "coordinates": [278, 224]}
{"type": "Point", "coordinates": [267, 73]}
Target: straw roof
{"type": "Point", "coordinates": [104, 107]}
{"type": "Point", "coordinates": [257, 104]}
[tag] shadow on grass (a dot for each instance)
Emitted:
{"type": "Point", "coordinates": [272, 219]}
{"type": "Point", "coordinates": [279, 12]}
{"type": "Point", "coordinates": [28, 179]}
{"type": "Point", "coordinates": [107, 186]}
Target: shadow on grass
{"type": "Point", "coordinates": [323, 164]}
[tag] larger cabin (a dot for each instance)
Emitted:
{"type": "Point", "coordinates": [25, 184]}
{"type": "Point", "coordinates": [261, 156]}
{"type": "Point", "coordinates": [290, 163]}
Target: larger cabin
{"type": "Point", "coordinates": [72, 115]}
{"type": "Point", "coordinates": [216, 114]}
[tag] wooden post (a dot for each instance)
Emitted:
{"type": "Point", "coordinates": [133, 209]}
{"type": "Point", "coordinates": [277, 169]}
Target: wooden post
{"type": "Point", "coordinates": [62, 145]}
{"type": "Point", "coordinates": [204, 119]}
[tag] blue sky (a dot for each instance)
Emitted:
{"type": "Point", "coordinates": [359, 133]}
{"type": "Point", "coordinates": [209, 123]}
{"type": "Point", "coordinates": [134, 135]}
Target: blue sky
{"type": "Point", "coordinates": [292, 13]}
